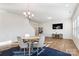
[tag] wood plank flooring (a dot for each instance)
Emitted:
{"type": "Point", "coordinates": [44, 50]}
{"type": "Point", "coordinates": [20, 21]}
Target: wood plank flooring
{"type": "Point", "coordinates": [65, 45]}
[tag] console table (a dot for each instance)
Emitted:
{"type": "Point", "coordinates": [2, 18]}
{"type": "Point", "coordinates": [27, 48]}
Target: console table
{"type": "Point", "coordinates": [57, 36]}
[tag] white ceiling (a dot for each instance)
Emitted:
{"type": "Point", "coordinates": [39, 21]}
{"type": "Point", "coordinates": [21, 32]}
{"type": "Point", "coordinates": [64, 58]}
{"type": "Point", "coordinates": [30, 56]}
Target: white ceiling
{"type": "Point", "coordinates": [42, 11]}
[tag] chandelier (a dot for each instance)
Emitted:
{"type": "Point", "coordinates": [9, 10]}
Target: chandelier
{"type": "Point", "coordinates": [28, 14]}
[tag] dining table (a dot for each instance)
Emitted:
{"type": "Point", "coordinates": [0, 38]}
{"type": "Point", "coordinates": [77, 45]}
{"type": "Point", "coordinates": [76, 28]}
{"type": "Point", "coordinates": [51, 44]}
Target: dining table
{"type": "Point", "coordinates": [30, 40]}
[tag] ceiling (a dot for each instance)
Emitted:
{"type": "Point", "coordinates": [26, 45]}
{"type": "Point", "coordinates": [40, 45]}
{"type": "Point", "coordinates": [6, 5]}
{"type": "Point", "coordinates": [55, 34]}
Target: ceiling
{"type": "Point", "coordinates": [42, 11]}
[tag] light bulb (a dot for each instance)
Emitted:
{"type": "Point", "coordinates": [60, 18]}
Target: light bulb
{"type": "Point", "coordinates": [28, 13]}
{"type": "Point", "coordinates": [24, 13]}
{"type": "Point", "coordinates": [32, 15]}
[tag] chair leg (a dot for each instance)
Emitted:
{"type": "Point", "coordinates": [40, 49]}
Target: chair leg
{"type": "Point", "coordinates": [32, 47]}
{"type": "Point", "coordinates": [24, 51]}
{"type": "Point", "coordinates": [37, 50]}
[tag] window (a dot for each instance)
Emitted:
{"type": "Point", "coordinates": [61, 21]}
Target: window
{"type": "Point", "coordinates": [76, 27]}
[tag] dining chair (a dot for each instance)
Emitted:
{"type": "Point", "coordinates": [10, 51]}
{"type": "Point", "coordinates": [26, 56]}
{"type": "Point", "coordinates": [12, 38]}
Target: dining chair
{"type": "Point", "coordinates": [40, 43]}
{"type": "Point", "coordinates": [22, 44]}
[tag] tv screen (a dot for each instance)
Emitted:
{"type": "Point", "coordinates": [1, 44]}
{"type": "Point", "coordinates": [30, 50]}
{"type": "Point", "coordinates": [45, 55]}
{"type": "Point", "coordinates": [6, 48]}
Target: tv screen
{"type": "Point", "coordinates": [57, 26]}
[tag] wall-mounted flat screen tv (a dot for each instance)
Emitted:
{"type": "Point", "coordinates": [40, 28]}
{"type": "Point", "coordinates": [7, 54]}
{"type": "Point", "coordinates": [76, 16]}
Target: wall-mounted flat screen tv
{"type": "Point", "coordinates": [57, 26]}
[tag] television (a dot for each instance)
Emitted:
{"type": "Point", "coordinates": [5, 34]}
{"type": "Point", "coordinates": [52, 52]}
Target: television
{"type": "Point", "coordinates": [57, 26]}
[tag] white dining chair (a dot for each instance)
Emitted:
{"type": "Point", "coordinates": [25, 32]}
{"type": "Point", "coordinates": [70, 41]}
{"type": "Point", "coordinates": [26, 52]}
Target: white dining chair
{"type": "Point", "coordinates": [22, 45]}
{"type": "Point", "coordinates": [40, 43]}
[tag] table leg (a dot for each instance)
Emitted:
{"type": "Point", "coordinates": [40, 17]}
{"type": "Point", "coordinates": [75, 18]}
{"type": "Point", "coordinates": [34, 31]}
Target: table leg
{"type": "Point", "coordinates": [24, 51]}
{"type": "Point", "coordinates": [29, 48]}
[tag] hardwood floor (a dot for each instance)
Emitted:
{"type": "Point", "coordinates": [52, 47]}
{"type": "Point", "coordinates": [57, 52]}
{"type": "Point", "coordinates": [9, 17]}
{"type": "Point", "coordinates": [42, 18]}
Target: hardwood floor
{"type": "Point", "coordinates": [65, 45]}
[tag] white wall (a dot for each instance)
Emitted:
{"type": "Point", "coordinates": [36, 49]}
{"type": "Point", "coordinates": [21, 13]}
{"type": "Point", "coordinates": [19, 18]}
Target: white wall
{"type": "Point", "coordinates": [12, 25]}
{"type": "Point", "coordinates": [35, 25]}
{"type": "Point", "coordinates": [75, 37]}
{"type": "Point", "coordinates": [66, 31]}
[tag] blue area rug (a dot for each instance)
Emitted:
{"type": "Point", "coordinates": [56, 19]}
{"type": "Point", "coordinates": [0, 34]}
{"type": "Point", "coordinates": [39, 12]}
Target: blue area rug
{"type": "Point", "coordinates": [53, 52]}
{"type": "Point", "coordinates": [46, 52]}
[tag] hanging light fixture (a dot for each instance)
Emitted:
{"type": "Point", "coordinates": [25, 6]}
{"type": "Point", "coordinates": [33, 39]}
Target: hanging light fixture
{"type": "Point", "coordinates": [28, 14]}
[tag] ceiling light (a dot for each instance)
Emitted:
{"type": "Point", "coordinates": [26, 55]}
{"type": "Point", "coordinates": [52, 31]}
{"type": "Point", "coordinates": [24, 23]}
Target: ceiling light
{"type": "Point", "coordinates": [32, 15]}
{"type": "Point", "coordinates": [24, 13]}
{"type": "Point", "coordinates": [28, 13]}
{"type": "Point", "coordinates": [49, 17]}
{"type": "Point", "coordinates": [29, 16]}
